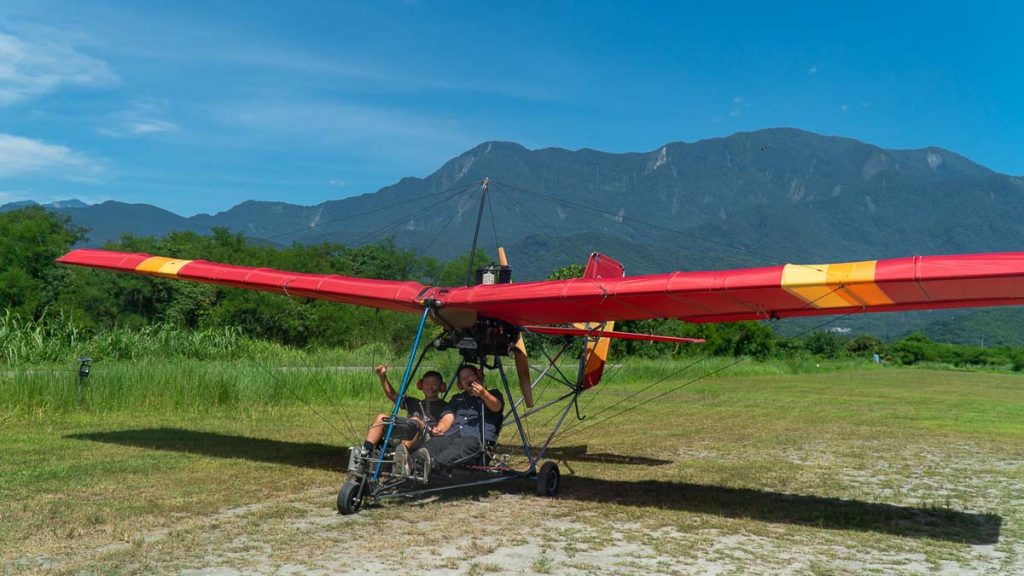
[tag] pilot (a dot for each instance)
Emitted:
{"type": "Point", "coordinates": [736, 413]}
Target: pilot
{"type": "Point", "coordinates": [423, 414]}
{"type": "Point", "coordinates": [457, 436]}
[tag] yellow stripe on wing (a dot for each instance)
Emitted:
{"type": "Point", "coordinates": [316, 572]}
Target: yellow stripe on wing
{"type": "Point", "coordinates": [160, 266]}
{"type": "Point", "coordinates": [834, 285]}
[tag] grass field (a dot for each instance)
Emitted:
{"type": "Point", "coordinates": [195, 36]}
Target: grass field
{"type": "Point", "coordinates": [232, 467]}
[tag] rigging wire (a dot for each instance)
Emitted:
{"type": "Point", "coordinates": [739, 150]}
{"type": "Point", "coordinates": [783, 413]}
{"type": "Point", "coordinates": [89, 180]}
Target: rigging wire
{"type": "Point", "coordinates": [280, 380]}
{"type": "Point", "coordinates": [550, 235]}
{"type": "Point", "coordinates": [399, 221]}
{"type": "Point", "coordinates": [685, 384]}
{"type": "Point", "coordinates": [623, 218]}
{"type": "Point", "coordinates": [345, 416]}
{"type": "Point", "coordinates": [426, 249]}
{"type": "Point", "coordinates": [494, 228]}
{"type": "Point", "coordinates": [364, 213]}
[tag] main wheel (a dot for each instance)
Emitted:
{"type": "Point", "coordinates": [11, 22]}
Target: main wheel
{"type": "Point", "coordinates": [549, 480]}
{"type": "Point", "coordinates": [350, 497]}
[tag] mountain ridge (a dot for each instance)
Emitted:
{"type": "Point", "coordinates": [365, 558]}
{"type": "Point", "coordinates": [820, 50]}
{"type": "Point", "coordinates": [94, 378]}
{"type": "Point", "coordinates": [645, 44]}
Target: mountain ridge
{"type": "Point", "coordinates": [749, 199]}
{"type": "Point", "coordinates": [761, 188]}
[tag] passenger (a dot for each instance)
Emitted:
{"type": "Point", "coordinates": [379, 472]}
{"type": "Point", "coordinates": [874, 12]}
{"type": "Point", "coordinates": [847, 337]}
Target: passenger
{"type": "Point", "coordinates": [456, 437]}
{"type": "Point", "coordinates": [423, 414]}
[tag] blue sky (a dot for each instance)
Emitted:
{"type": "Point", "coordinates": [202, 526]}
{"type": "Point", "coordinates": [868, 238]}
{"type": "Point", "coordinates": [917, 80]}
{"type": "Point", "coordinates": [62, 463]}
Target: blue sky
{"type": "Point", "coordinates": [196, 107]}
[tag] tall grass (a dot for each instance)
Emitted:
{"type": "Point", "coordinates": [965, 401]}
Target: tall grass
{"type": "Point", "coordinates": [35, 341]}
{"type": "Point", "coordinates": [328, 378]}
{"type": "Point", "coordinates": [55, 339]}
{"type": "Point", "coordinates": [181, 385]}
{"type": "Point", "coordinates": [165, 368]}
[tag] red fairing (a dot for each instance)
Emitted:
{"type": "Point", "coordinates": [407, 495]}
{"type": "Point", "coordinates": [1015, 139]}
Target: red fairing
{"type": "Point", "coordinates": [601, 266]}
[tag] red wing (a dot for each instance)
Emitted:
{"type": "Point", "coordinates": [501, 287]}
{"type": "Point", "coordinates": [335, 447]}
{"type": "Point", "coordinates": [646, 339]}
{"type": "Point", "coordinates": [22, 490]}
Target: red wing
{"type": "Point", "coordinates": [913, 283]}
{"type": "Point", "coordinates": [388, 294]}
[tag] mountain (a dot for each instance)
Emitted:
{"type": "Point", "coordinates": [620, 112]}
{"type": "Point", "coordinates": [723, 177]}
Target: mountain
{"type": "Point", "coordinates": [752, 198]}
{"type": "Point", "coordinates": [74, 203]}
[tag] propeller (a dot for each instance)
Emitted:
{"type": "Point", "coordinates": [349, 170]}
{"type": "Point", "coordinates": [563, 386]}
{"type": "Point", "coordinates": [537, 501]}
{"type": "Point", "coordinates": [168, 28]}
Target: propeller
{"type": "Point", "coordinates": [519, 354]}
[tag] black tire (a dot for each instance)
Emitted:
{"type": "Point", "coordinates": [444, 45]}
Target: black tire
{"type": "Point", "coordinates": [549, 480]}
{"type": "Point", "coordinates": [350, 498]}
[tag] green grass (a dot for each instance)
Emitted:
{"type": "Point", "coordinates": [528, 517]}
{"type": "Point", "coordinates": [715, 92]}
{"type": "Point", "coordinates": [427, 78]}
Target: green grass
{"type": "Point", "coordinates": [843, 468]}
{"type": "Point", "coordinates": [286, 377]}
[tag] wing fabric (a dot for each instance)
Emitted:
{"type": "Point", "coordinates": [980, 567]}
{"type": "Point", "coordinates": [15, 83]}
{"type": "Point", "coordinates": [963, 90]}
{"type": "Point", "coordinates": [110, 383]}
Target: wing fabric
{"type": "Point", "coordinates": [387, 294]}
{"type": "Point", "coordinates": [912, 283]}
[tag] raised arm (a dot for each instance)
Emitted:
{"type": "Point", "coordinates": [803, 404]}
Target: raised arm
{"type": "Point", "coordinates": [382, 373]}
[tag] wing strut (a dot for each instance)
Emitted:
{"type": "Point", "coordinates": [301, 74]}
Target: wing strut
{"type": "Point", "coordinates": [405, 384]}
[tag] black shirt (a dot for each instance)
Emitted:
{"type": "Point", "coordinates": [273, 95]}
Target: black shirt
{"type": "Point", "coordinates": [427, 410]}
{"type": "Point", "coordinates": [467, 408]}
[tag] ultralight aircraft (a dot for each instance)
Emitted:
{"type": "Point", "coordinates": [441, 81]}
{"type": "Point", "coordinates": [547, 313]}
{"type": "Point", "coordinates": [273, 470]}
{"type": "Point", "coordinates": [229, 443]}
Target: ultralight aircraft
{"type": "Point", "coordinates": [485, 322]}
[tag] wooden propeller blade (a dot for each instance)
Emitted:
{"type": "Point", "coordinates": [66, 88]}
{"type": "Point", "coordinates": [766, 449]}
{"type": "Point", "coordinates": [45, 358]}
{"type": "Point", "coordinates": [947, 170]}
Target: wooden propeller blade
{"type": "Point", "coordinates": [519, 353]}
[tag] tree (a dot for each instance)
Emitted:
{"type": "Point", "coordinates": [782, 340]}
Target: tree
{"type": "Point", "coordinates": [864, 345]}
{"type": "Point", "coordinates": [567, 272]}
{"type": "Point", "coordinates": [30, 240]}
{"type": "Point", "coordinates": [824, 343]}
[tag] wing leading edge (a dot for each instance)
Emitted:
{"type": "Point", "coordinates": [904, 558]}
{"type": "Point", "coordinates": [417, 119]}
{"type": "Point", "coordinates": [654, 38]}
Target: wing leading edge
{"type": "Point", "coordinates": [912, 283]}
{"type": "Point", "coordinates": [387, 294]}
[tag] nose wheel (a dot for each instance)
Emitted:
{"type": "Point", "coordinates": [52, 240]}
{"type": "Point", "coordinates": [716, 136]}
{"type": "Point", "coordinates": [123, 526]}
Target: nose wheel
{"type": "Point", "coordinates": [350, 497]}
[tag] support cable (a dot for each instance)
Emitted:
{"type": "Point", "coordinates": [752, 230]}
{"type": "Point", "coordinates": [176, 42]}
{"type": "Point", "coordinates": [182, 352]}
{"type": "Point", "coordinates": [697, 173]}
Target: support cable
{"type": "Point", "coordinates": [390, 206]}
{"type": "Point", "coordinates": [591, 423]}
{"type": "Point", "coordinates": [624, 218]}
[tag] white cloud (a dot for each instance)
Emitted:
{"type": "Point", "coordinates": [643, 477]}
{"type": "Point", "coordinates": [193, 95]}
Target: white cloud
{"type": "Point", "coordinates": [812, 70]}
{"type": "Point", "coordinates": [339, 122]}
{"type": "Point", "coordinates": [151, 125]}
{"type": "Point", "coordinates": [337, 183]}
{"type": "Point", "coordinates": [738, 105]}
{"type": "Point", "coordinates": [19, 156]}
{"type": "Point", "coordinates": [144, 117]}
{"type": "Point", "coordinates": [843, 107]}
{"type": "Point", "coordinates": [33, 67]}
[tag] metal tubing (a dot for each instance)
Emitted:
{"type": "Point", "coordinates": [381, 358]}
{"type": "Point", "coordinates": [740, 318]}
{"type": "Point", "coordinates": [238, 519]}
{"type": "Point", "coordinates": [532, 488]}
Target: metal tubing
{"type": "Point", "coordinates": [544, 372]}
{"type": "Point", "coordinates": [401, 392]}
{"type": "Point", "coordinates": [544, 448]}
{"type": "Point", "coordinates": [564, 381]}
{"type": "Point", "coordinates": [537, 409]}
{"type": "Point", "coordinates": [511, 476]}
{"type": "Point", "coordinates": [515, 413]}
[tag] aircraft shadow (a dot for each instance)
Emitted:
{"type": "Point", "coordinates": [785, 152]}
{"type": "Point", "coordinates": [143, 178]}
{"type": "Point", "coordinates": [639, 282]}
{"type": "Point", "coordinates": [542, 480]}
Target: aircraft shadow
{"type": "Point", "coordinates": [830, 513]}
{"type": "Point", "coordinates": [579, 453]}
{"type": "Point", "coordinates": [300, 454]}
